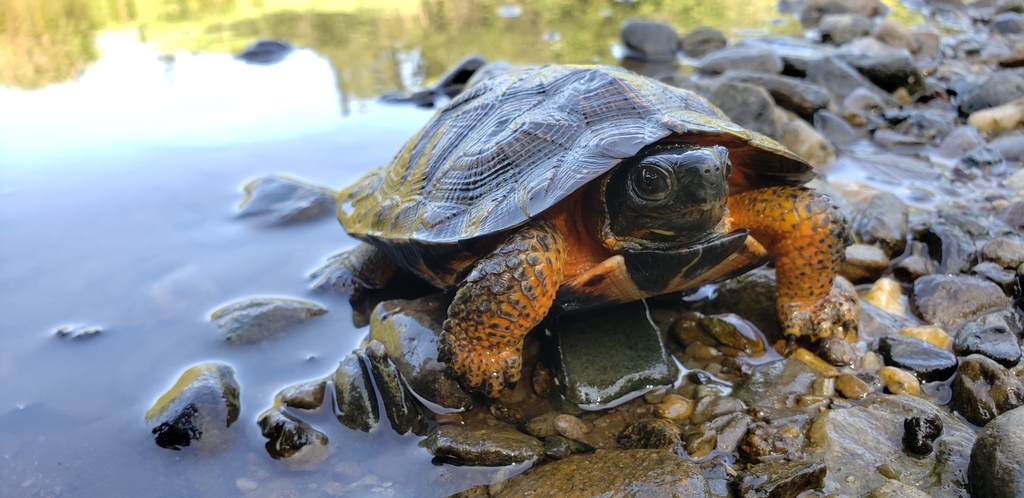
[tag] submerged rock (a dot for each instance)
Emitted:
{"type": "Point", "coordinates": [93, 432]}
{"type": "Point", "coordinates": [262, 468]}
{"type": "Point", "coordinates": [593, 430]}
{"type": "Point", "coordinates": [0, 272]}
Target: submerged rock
{"type": "Point", "coordinates": [997, 459]}
{"type": "Point", "coordinates": [778, 384]}
{"type": "Point", "coordinates": [610, 473]}
{"type": "Point", "coordinates": [200, 406]}
{"type": "Point", "coordinates": [276, 200]}
{"type": "Point", "coordinates": [779, 479]}
{"type": "Point", "coordinates": [297, 443]}
{"type": "Point", "coordinates": [484, 446]}
{"type": "Point", "coordinates": [252, 320]}
{"type": "Point", "coordinates": [609, 355]}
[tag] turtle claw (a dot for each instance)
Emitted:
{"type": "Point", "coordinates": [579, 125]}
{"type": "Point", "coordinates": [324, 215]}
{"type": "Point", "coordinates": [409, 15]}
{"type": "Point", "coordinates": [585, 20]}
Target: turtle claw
{"type": "Point", "coordinates": [835, 314]}
{"type": "Point", "coordinates": [480, 367]}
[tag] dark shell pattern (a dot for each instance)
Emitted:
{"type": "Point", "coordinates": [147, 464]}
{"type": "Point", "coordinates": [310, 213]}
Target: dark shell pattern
{"type": "Point", "coordinates": [514, 145]}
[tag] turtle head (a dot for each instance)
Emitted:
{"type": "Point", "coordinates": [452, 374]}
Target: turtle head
{"type": "Point", "coordinates": [669, 195]}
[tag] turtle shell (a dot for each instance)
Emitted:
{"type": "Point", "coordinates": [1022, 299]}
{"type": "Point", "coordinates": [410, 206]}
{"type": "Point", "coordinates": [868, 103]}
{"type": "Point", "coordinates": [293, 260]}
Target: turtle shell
{"type": "Point", "coordinates": [514, 145]}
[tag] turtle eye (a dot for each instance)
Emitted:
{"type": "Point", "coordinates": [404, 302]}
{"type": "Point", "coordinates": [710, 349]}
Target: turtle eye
{"type": "Point", "coordinates": [651, 182]}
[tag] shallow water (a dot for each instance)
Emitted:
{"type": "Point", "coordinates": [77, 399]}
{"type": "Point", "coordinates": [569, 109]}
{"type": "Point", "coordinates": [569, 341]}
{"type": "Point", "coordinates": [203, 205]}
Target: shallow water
{"type": "Point", "coordinates": [120, 172]}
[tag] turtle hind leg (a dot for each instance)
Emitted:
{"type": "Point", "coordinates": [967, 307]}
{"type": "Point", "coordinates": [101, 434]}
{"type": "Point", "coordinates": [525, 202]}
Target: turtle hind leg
{"type": "Point", "coordinates": [806, 233]}
{"type": "Point", "coordinates": [361, 268]}
{"type": "Point", "coordinates": [506, 295]}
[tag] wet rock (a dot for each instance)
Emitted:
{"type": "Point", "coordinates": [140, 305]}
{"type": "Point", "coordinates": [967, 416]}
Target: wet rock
{"type": "Point", "coordinates": [570, 426]}
{"type": "Point", "coordinates": [885, 294]}
{"type": "Point", "coordinates": [998, 89]}
{"type": "Point", "coordinates": [948, 300]}
{"type": "Point", "coordinates": [924, 360]}
{"type": "Point", "coordinates": [1005, 251]}
{"type": "Point", "coordinates": [789, 93]}
{"type": "Point", "coordinates": [675, 407]}
{"type": "Point", "coordinates": [401, 408]}
{"type": "Point", "coordinates": [276, 200]}
{"type": "Point", "coordinates": [610, 354]}
{"type": "Point", "coordinates": [297, 443]}
{"type": "Point", "coordinates": [835, 128]}
{"type": "Point", "coordinates": [252, 320]}
{"type": "Point", "coordinates": [1012, 215]}
{"type": "Point", "coordinates": [730, 329]}
{"type": "Point", "coordinates": [836, 351]}
{"type": "Point", "coordinates": [266, 52]}
{"type": "Point", "coordinates": [1011, 147]}
{"type": "Point", "coordinates": [485, 446]}
{"type": "Point", "coordinates": [778, 383]}
{"type": "Point", "coordinates": [77, 332]}
{"type": "Point", "coordinates": [198, 409]}
{"type": "Point", "coordinates": [801, 138]}
{"type": "Point", "coordinates": [899, 381]}
{"type": "Point", "coordinates": [994, 335]}
{"type": "Point", "coordinates": [854, 442]}
{"type": "Point", "coordinates": [747, 105]}
{"type": "Point", "coordinates": [758, 60]}
{"type": "Point", "coordinates": [610, 473]}
{"type": "Point", "coordinates": [860, 105]}
{"type": "Point", "coordinates": [712, 407]}
{"type": "Point", "coordinates": [755, 293]}
{"type": "Point", "coordinates": [927, 125]}
{"type": "Point", "coordinates": [997, 459]}
{"type": "Point", "coordinates": [541, 426]}
{"type": "Point", "coordinates": [930, 334]}
{"type": "Point", "coordinates": [998, 118]}
{"type": "Point", "coordinates": [980, 161]}
{"type": "Point", "coordinates": [915, 265]}
{"type": "Point", "coordinates": [894, 34]}
{"type": "Point", "coordinates": [307, 395]}
{"type": "Point", "coordinates": [778, 479]}
{"type": "Point", "coordinates": [812, 11]}
{"type": "Point", "coordinates": [356, 401]}
{"type": "Point", "coordinates": [797, 54]}
{"type": "Point", "coordinates": [896, 489]}
{"type": "Point", "coordinates": [1008, 23]}
{"type": "Point", "coordinates": [950, 246]}
{"type": "Point", "coordinates": [841, 79]}
{"type": "Point", "coordinates": [920, 433]}
{"type": "Point", "coordinates": [876, 322]}
{"type": "Point", "coordinates": [820, 366]}
{"type": "Point", "coordinates": [982, 389]}
{"type": "Point", "coordinates": [1005, 279]}
{"type": "Point", "coordinates": [408, 329]}
{"type": "Point", "coordinates": [864, 263]}
{"type": "Point", "coordinates": [451, 83]}
{"type": "Point", "coordinates": [838, 29]}
{"type": "Point", "coordinates": [702, 40]}
{"type": "Point", "coordinates": [556, 447]}
{"type": "Point", "coordinates": [889, 70]}
{"type": "Point", "coordinates": [883, 223]}
{"type": "Point", "coordinates": [959, 141]}
{"type": "Point", "coordinates": [891, 139]}
{"type": "Point", "coordinates": [652, 434]}
{"type": "Point", "coordinates": [850, 387]}
{"type": "Point", "coordinates": [767, 443]}
{"type": "Point", "coordinates": [650, 41]}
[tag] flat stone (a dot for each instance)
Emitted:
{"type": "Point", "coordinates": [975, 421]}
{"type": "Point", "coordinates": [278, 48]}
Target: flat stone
{"type": "Point", "coordinates": [484, 446]}
{"type": "Point", "coordinates": [778, 384]}
{"type": "Point", "coordinates": [854, 442]}
{"type": "Point", "coordinates": [982, 389]}
{"type": "Point", "coordinates": [948, 300]}
{"type": "Point", "coordinates": [924, 360]}
{"type": "Point", "coordinates": [756, 59]}
{"type": "Point", "coordinates": [896, 489]}
{"type": "Point", "coordinates": [275, 200]}
{"type": "Point", "coordinates": [255, 319]}
{"type": "Point", "coordinates": [609, 355]}
{"type": "Point", "coordinates": [997, 459]}
{"type": "Point", "coordinates": [841, 79]}
{"type": "Point", "coordinates": [612, 473]}
{"type": "Point", "coordinates": [198, 409]}
{"type": "Point", "coordinates": [779, 479]}
{"type": "Point", "coordinates": [995, 335]}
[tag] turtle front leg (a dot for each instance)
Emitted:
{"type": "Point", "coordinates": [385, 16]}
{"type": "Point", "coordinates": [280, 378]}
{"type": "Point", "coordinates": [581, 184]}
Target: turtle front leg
{"type": "Point", "coordinates": [507, 294]}
{"type": "Point", "coordinates": [806, 233]}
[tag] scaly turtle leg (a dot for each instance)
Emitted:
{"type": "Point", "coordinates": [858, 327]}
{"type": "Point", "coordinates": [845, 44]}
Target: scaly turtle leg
{"type": "Point", "coordinates": [506, 295]}
{"type": "Point", "coordinates": [360, 268]}
{"type": "Point", "coordinates": [806, 233]}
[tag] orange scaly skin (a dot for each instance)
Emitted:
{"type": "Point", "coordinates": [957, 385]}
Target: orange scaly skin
{"type": "Point", "coordinates": [507, 294]}
{"type": "Point", "coordinates": [805, 233]}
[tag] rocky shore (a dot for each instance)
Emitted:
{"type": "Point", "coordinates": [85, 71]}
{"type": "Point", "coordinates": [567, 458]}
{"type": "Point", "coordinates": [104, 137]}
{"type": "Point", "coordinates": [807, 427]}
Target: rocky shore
{"type": "Point", "coordinates": [917, 133]}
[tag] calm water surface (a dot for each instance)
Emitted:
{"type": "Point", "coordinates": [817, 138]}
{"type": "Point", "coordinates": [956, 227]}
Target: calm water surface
{"type": "Point", "coordinates": [126, 132]}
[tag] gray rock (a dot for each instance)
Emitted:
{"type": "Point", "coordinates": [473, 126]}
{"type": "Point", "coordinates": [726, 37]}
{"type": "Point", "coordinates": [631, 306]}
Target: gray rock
{"type": "Point", "coordinates": [883, 223]}
{"type": "Point", "coordinates": [797, 54]}
{"type": "Point", "coordinates": [779, 479]}
{"type": "Point", "coordinates": [998, 89]}
{"type": "Point", "coordinates": [484, 446]}
{"type": "Point", "coordinates": [955, 251]}
{"type": "Point", "coordinates": [916, 265]}
{"type": "Point", "coordinates": [838, 29]}
{"type": "Point", "coordinates": [292, 440]}
{"type": "Point", "coordinates": [703, 40]}
{"type": "Point", "coordinates": [981, 161]}
{"type": "Point", "coordinates": [836, 129]}
{"type": "Point", "coordinates": [1011, 147]}
{"type": "Point", "coordinates": [864, 263]}
{"type": "Point", "coordinates": [1012, 215]}
{"type": "Point", "coordinates": [896, 489]}
{"type": "Point", "coordinates": [640, 473]}
{"type": "Point", "coordinates": [1005, 251]}
{"type": "Point", "coordinates": [1008, 23]}
{"type": "Point", "coordinates": [959, 141]}
{"type": "Point", "coordinates": [749, 106]}
{"type": "Point", "coordinates": [608, 355]}
{"type": "Point", "coordinates": [841, 79]}
{"type": "Point", "coordinates": [556, 447]}
{"type": "Point", "coordinates": [755, 293]}
{"type": "Point", "coordinates": [811, 11]}
{"type": "Point", "coordinates": [921, 358]}
{"type": "Point", "coordinates": [777, 384]}
{"type": "Point", "coordinates": [252, 320]}
{"type": "Point", "coordinates": [994, 335]}
{"type": "Point", "coordinates": [650, 41]}
{"type": "Point", "coordinates": [355, 399]}
{"type": "Point", "coordinates": [198, 409]}
{"type": "Point", "coordinates": [876, 323]}
{"type": "Point", "coordinates": [997, 459]}
{"type": "Point", "coordinates": [854, 442]}
{"type": "Point", "coordinates": [712, 407]}
{"type": "Point", "coordinates": [1005, 279]}
{"type": "Point", "coordinates": [948, 300]}
{"type": "Point", "coordinates": [928, 125]}
{"type": "Point", "coordinates": [982, 389]}
{"type": "Point", "coordinates": [409, 330]}
{"type": "Point", "coordinates": [788, 92]}
{"type": "Point", "coordinates": [275, 200]}
{"type": "Point", "coordinates": [759, 60]}
{"type": "Point", "coordinates": [401, 408]}
{"type": "Point", "coordinates": [889, 70]}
